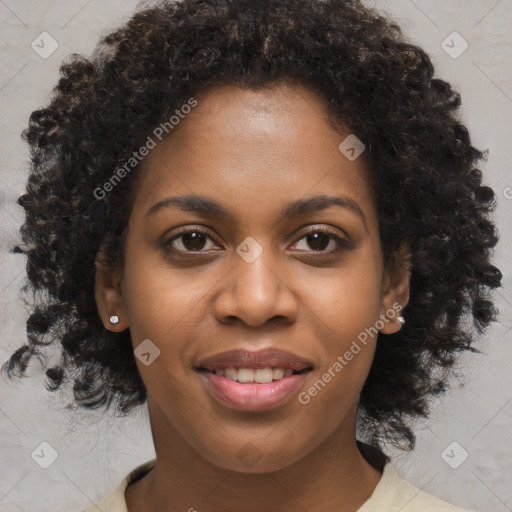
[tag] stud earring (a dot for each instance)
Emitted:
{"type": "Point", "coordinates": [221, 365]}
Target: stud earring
{"type": "Point", "coordinates": [114, 319]}
{"type": "Point", "coordinates": [401, 319]}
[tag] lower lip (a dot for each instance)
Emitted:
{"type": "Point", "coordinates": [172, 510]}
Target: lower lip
{"type": "Point", "coordinates": [252, 396]}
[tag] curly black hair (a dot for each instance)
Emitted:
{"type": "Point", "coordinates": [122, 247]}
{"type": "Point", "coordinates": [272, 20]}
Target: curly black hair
{"type": "Point", "coordinates": [422, 165]}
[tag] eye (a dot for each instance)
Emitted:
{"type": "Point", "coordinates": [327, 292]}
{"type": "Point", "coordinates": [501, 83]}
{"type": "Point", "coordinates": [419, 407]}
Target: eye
{"type": "Point", "coordinates": [191, 239]}
{"type": "Point", "coordinates": [319, 239]}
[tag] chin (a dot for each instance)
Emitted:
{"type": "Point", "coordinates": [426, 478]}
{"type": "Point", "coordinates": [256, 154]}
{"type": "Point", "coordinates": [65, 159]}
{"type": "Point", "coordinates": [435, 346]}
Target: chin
{"type": "Point", "coordinates": [255, 457]}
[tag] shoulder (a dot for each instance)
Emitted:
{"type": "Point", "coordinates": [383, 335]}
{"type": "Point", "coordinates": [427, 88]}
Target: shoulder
{"type": "Point", "coordinates": [393, 493]}
{"type": "Point", "coordinates": [115, 501]}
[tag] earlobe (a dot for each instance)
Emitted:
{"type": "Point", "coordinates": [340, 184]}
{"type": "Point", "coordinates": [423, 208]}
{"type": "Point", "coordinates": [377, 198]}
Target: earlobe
{"type": "Point", "coordinates": [109, 297]}
{"type": "Point", "coordinates": [396, 291]}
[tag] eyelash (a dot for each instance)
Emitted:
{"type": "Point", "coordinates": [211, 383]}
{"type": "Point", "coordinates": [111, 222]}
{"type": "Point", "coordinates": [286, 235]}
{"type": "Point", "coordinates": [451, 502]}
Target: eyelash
{"type": "Point", "coordinates": [343, 243]}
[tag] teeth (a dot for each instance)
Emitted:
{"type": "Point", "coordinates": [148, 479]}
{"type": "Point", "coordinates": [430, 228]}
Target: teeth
{"type": "Point", "coordinates": [231, 373]}
{"type": "Point", "coordinates": [278, 373]}
{"type": "Point", "coordinates": [263, 375]}
{"type": "Point", "coordinates": [259, 375]}
{"type": "Point", "coordinates": [245, 375]}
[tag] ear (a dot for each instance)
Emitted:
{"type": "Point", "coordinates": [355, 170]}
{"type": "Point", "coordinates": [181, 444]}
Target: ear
{"type": "Point", "coordinates": [395, 289]}
{"type": "Point", "coordinates": [109, 295]}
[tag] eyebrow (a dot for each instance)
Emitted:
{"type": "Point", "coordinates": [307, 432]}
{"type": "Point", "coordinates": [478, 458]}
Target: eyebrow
{"type": "Point", "coordinates": [207, 207]}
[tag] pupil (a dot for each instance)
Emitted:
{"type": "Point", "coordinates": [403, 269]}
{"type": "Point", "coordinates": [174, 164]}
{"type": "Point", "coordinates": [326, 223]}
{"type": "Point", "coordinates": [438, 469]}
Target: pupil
{"type": "Point", "coordinates": [194, 240]}
{"type": "Point", "coordinates": [316, 240]}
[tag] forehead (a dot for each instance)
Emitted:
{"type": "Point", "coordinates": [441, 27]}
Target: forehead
{"type": "Point", "coordinates": [254, 150]}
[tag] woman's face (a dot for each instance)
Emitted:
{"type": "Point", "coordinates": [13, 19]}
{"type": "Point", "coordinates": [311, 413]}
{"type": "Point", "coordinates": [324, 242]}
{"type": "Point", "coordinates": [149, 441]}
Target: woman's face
{"type": "Point", "coordinates": [225, 287]}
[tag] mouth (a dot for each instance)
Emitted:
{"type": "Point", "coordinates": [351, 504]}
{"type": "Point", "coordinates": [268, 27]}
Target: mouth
{"type": "Point", "coordinates": [253, 381]}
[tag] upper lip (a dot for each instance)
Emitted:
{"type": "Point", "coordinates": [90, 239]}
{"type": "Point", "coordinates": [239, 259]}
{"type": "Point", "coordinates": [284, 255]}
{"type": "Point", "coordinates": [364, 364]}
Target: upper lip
{"type": "Point", "coordinates": [255, 359]}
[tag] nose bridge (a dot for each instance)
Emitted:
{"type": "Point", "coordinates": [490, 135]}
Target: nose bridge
{"type": "Point", "coordinates": [253, 290]}
{"type": "Point", "coordinates": [257, 278]}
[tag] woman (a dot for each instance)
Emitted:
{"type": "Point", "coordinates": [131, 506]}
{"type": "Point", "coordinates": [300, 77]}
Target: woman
{"type": "Point", "coordinates": [265, 219]}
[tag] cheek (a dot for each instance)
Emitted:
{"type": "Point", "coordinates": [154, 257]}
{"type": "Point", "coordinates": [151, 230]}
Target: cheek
{"type": "Point", "coordinates": [167, 307]}
{"type": "Point", "coordinates": [346, 307]}
{"type": "Point", "coordinates": [162, 303]}
{"type": "Point", "coordinates": [348, 299]}
{"type": "Point", "coordinates": [170, 307]}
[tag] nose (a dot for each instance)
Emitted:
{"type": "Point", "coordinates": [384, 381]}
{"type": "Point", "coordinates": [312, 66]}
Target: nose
{"type": "Point", "coordinates": [256, 293]}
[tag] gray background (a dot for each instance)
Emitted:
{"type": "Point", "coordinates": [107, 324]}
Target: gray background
{"type": "Point", "coordinates": [95, 451]}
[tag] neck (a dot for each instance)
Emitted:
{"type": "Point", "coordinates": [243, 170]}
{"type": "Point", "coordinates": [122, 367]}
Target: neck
{"type": "Point", "coordinates": [182, 479]}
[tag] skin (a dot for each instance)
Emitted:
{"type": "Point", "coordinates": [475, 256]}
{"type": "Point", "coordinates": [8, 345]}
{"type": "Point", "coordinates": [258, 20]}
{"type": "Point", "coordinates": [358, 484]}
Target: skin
{"type": "Point", "coordinates": [253, 152]}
